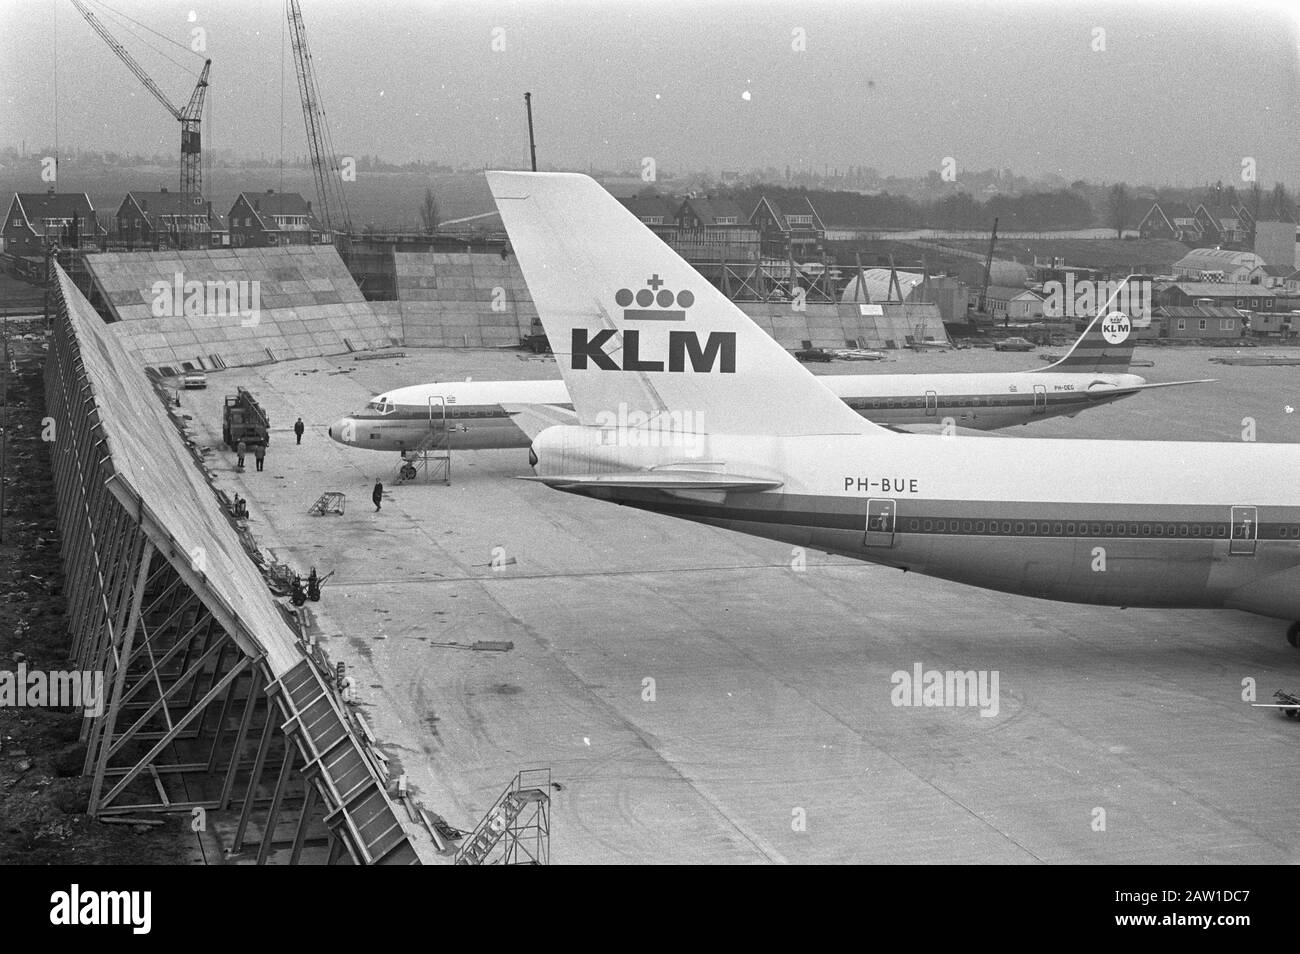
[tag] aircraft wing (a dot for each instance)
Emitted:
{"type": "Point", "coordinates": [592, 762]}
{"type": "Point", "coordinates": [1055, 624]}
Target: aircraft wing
{"type": "Point", "coordinates": [532, 419]}
{"type": "Point", "coordinates": [938, 430]}
{"type": "Point", "coordinates": [670, 480]}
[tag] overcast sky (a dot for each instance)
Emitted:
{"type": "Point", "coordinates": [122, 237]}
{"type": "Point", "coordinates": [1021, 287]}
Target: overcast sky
{"type": "Point", "coordinates": [1181, 93]}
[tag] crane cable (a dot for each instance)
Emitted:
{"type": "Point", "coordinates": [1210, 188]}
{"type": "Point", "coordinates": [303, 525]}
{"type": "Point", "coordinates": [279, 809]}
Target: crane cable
{"type": "Point", "coordinates": [105, 8]}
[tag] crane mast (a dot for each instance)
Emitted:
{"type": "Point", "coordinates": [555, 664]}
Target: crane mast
{"type": "Point", "coordinates": [189, 117]}
{"type": "Point", "coordinates": [333, 204]}
{"type": "Point", "coordinates": [988, 269]}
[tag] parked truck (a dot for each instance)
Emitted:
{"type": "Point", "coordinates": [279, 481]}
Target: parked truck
{"type": "Point", "coordinates": [244, 420]}
{"type": "Point", "coordinates": [536, 340]}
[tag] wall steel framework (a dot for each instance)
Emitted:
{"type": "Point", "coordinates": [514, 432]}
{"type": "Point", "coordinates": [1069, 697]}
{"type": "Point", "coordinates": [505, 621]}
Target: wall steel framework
{"type": "Point", "coordinates": [213, 706]}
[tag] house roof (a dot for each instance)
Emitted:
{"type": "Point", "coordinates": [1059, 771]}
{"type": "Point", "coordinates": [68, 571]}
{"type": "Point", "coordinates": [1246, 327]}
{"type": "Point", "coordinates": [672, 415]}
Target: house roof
{"type": "Point", "coordinates": [650, 206]}
{"type": "Point", "coordinates": [709, 211]}
{"type": "Point", "coordinates": [1219, 289]}
{"type": "Point", "coordinates": [1179, 210]}
{"type": "Point", "coordinates": [781, 216]}
{"type": "Point", "coordinates": [164, 202]}
{"type": "Point", "coordinates": [271, 203]}
{"type": "Point", "coordinates": [1196, 311]}
{"type": "Point", "coordinates": [154, 205]}
{"type": "Point", "coordinates": [1226, 216]}
{"type": "Point", "coordinates": [35, 207]}
{"type": "Point", "coordinates": [1156, 210]}
{"type": "Point", "coordinates": [1011, 292]}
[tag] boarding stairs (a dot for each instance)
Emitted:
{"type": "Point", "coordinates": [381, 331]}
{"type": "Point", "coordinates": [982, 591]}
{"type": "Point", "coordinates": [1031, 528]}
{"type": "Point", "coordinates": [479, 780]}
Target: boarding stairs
{"type": "Point", "coordinates": [433, 452]}
{"type": "Point", "coordinates": [517, 828]}
{"type": "Point", "coordinates": [329, 502]}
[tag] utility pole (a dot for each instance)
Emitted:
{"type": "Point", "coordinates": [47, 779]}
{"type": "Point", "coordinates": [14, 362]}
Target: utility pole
{"type": "Point", "coordinates": [532, 146]}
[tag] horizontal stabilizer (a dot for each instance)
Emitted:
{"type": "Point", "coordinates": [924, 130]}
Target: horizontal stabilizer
{"type": "Point", "coordinates": [1129, 388]}
{"type": "Point", "coordinates": [671, 480]}
{"type": "Point", "coordinates": [532, 419]}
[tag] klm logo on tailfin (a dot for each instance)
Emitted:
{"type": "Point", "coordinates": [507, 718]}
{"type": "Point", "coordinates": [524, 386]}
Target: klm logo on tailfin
{"type": "Point", "coordinates": [1106, 345]}
{"type": "Point", "coordinates": [654, 303]}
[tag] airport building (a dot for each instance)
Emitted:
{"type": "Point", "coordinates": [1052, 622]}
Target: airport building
{"type": "Point", "coordinates": [1187, 322]}
{"type": "Point", "coordinates": [1219, 265]}
{"type": "Point", "coordinates": [1013, 303]}
{"type": "Point", "coordinates": [1250, 297]}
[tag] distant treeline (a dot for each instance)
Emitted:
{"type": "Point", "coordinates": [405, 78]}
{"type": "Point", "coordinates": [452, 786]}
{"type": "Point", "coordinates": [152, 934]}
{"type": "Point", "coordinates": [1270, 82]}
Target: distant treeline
{"type": "Point", "coordinates": [1061, 209]}
{"type": "Point", "coordinates": [1082, 205]}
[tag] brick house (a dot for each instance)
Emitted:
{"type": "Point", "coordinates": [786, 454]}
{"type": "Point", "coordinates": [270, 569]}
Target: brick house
{"type": "Point", "coordinates": [796, 229]}
{"type": "Point", "coordinates": [37, 218]}
{"type": "Point", "coordinates": [262, 219]}
{"type": "Point", "coordinates": [160, 219]}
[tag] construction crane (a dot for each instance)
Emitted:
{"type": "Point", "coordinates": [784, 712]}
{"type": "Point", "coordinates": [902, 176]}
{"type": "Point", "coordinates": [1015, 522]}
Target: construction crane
{"type": "Point", "coordinates": [988, 269]}
{"type": "Point", "coordinates": [189, 117]}
{"type": "Point", "coordinates": [333, 204]}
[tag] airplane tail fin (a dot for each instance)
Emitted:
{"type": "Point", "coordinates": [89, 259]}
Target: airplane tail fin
{"type": "Point", "coordinates": [639, 335]}
{"type": "Point", "coordinates": [1106, 345]}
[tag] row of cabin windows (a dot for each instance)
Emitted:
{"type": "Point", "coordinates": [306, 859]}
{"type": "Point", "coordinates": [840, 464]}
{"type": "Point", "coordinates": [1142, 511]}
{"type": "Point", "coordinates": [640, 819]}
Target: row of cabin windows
{"type": "Point", "coordinates": [475, 412]}
{"type": "Point", "coordinates": [1048, 528]}
{"type": "Point", "coordinates": [862, 404]}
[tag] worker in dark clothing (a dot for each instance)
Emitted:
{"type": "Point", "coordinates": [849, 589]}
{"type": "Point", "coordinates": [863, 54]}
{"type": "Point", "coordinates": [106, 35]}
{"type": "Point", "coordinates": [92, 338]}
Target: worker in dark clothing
{"type": "Point", "coordinates": [259, 452]}
{"type": "Point", "coordinates": [297, 595]}
{"type": "Point", "coordinates": [240, 449]}
{"type": "Point", "coordinates": [377, 495]}
{"type": "Point", "coordinates": [313, 586]}
{"type": "Point", "coordinates": [298, 428]}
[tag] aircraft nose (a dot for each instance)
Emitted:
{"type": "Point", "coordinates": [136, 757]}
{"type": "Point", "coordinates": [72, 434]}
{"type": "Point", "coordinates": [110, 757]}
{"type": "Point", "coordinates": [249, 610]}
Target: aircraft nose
{"type": "Point", "coordinates": [331, 430]}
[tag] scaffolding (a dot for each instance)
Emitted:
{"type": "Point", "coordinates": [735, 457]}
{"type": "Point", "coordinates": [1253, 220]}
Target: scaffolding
{"type": "Point", "coordinates": [211, 705]}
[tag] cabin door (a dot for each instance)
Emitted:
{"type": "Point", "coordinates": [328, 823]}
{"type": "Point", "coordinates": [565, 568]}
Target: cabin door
{"type": "Point", "coordinates": [880, 522]}
{"type": "Point", "coordinates": [1245, 531]}
{"type": "Point", "coordinates": [1040, 398]}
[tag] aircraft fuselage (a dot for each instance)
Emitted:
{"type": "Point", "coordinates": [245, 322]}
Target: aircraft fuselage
{"type": "Point", "coordinates": [468, 419]}
{"type": "Point", "coordinates": [1210, 525]}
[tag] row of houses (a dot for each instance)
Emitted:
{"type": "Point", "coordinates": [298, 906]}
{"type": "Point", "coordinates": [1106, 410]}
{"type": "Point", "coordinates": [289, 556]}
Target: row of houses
{"type": "Point", "coordinates": [1231, 226]}
{"type": "Point", "coordinates": [708, 227]}
{"type": "Point", "coordinates": [37, 220]}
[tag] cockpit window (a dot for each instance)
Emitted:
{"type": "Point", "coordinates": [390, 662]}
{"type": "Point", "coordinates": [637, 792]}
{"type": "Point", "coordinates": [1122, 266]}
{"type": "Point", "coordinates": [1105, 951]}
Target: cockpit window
{"type": "Point", "coordinates": [382, 405]}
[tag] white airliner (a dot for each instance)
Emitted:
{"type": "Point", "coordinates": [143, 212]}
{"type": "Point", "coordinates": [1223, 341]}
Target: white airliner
{"type": "Point", "coordinates": [724, 427]}
{"type": "Point", "coordinates": [481, 415]}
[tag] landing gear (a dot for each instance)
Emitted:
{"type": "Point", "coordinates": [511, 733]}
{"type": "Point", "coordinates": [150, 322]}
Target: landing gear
{"type": "Point", "coordinates": [1293, 635]}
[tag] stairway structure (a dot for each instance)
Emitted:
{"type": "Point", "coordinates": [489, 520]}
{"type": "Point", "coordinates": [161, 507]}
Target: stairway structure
{"type": "Point", "coordinates": [433, 453]}
{"type": "Point", "coordinates": [517, 828]}
{"type": "Point", "coordinates": [329, 502]}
